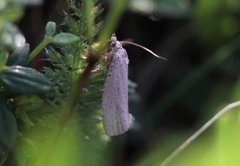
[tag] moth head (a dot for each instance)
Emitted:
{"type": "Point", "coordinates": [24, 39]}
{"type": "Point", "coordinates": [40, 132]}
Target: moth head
{"type": "Point", "coordinates": [114, 42]}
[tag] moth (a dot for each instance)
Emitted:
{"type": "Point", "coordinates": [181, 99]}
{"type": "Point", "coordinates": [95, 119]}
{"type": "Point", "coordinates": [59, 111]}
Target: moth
{"type": "Point", "coordinates": [116, 117]}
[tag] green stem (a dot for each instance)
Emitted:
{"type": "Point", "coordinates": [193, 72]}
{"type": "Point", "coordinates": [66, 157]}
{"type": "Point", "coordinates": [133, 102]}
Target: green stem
{"type": "Point", "coordinates": [111, 21]}
{"type": "Point", "coordinates": [76, 92]}
{"type": "Point", "coordinates": [195, 135]}
{"type": "Point", "coordinates": [39, 48]}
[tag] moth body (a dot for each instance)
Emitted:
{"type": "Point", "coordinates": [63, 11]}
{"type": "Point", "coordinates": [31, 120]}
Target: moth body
{"type": "Point", "coordinates": [116, 118]}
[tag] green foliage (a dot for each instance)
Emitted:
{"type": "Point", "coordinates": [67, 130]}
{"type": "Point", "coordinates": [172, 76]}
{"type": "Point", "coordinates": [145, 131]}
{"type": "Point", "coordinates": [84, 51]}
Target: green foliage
{"type": "Point", "coordinates": [60, 38]}
{"type": "Point", "coordinates": [54, 123]}
{"type": "Point", "coordinates": [8, 127]}
{"type": "Point", "coordinates": [217, 21]}
{"type": "Point", "coordinates": [27, 2]}
{"type": "Point", "coordinates": [15, 80]}
{"type": "Point", "coordinates": [173, 8]}
{"type": "Point", "coordinates": [23, 80]}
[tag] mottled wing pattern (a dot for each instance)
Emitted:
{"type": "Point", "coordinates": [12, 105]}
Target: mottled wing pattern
{"type": "Point", "coordinates": [116, 119]}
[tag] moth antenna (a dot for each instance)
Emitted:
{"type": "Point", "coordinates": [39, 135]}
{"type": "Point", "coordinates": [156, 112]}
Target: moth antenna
{"type": "Point", "coordinates": [144, 48]}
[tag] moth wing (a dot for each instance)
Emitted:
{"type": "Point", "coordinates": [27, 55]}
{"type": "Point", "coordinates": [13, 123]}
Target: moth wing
{"type": "Point", "coordinates": [116, 118]}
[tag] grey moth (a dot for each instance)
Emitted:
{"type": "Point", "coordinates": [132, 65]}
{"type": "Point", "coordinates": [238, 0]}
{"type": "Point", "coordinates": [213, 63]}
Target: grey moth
{"type": "Point", "coordinates": [116, 118]}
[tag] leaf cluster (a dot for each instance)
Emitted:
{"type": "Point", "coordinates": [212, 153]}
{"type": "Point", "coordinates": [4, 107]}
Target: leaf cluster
{"type": "Point", "coordinates": [30, 100]}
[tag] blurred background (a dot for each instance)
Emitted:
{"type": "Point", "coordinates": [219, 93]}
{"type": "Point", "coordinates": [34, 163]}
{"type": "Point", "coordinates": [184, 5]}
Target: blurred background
{"type": "Point", "coordinates": [200, 39]}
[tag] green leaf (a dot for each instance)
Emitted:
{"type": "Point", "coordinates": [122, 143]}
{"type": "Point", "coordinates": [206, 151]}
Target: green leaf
{"type": "Point", "coordinates": [23, 80]}
{"type": "Point", "coordinates": [8, 127]}
{"type": "Point", "coordinates": [65, 38]}
{"type": "Point", "coordinates": [19, 56]}
{"type": "Point", "coordinates": [50, 28]}
{"type": "Point", "coordinates": [28, 2]}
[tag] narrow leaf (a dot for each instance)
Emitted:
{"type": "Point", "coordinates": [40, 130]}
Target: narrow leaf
{"type": "Point", "coordinates": [65, 38]}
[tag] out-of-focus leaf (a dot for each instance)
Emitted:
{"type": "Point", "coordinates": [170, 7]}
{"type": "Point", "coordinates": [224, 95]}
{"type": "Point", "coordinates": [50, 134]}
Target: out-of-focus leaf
{"type": "Point", "coordinates": [23, 80]}
{"type": "Point", "coordinates": [63, 151]}
{"type": "Point", "coordinates": [28, 2]}
{"type": "Point", "coordinates": [174, 8]}
{"type": "Point", "coordinates": [19, 56]}
{"type": "Point", "coordinates": [3, 4]}
{"type": "Point", "coordinates": [215, 20]}
{"type": "Point", "coordinates": [65, 38]}
{"type": "Point", "coordinates": [23, 150]}
{"type": "Point", "coordinates": [10, 12]}
{"type": "Point", "coordinates": [8, 127]}
{"type": "Point", "coordinates": [12, 37]}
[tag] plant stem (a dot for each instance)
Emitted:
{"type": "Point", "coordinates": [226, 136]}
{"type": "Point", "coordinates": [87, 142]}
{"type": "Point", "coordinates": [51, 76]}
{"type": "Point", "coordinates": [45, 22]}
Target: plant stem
{"type": "Point", "coordinates": [113, 16]}
{"type": "Point", "coordinates": [77, 91]}
{"type": "Point", "coordinates": [39, 48]}
{"type": "Point", "coordinates": [183, 146]}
